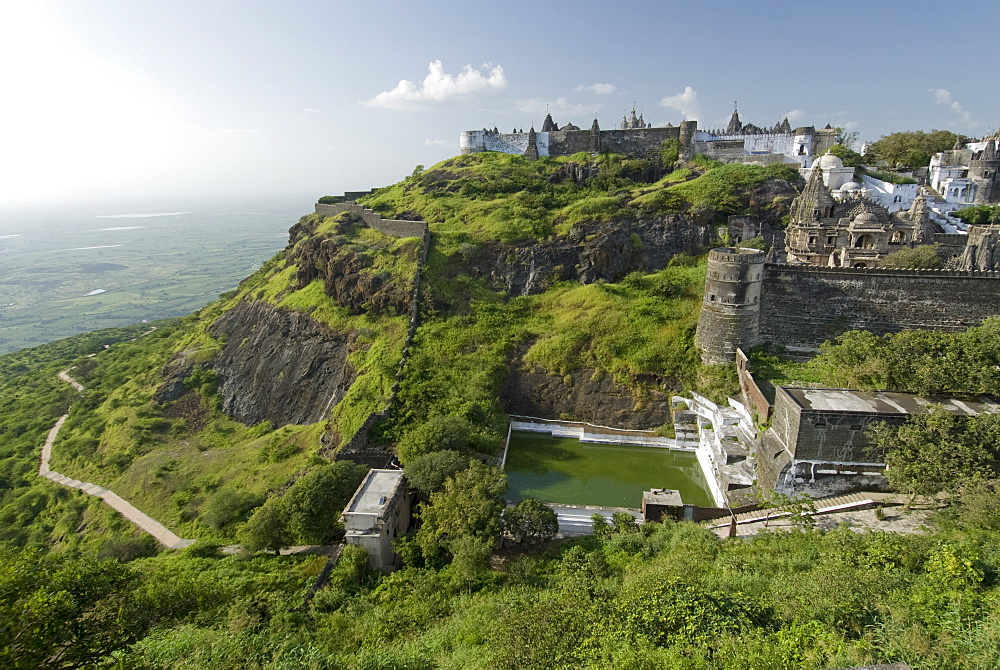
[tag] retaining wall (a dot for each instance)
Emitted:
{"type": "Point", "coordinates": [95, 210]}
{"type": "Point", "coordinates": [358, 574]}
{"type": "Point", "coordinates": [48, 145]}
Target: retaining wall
{"type": "Point", "coordinates": [391, 227]}
{"type": "Point", "coordinates": [807, 306]}
{"type": "Point", "coordinates": [357, 448]}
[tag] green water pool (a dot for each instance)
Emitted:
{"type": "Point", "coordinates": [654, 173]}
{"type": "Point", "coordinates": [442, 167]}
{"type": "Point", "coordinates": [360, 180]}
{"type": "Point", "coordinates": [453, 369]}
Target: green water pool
{"type": "Point", "coordinates": [565, 470]}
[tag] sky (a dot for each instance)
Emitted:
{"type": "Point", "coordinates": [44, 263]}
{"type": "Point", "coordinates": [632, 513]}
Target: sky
{"type": "Point", "coordinates": [111, 99]}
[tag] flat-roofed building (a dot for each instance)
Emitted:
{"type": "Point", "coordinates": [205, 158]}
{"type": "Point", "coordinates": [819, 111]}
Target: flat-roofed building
{"type": "Point", "coordinates": [378, 513]}
{"type": "Point", "coordinates": [817, 439]}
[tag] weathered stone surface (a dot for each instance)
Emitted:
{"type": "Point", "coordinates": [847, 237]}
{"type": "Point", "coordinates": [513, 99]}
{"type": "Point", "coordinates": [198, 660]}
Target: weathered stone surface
{"type": "Point", "coordinates": [591, 252]}
{"type": "Point", "coordinates": [279, 365]}
{"type": "Point", "coordinates": [348, 276]}
{"type": "Point", "coordinates": [804, 306]}
{"type": "Point", "coordinates": [589, 398]}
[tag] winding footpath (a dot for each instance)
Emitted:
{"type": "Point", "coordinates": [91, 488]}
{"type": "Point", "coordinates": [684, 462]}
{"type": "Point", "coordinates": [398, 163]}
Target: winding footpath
{"type": "Point", "coordinates": [162, 534]}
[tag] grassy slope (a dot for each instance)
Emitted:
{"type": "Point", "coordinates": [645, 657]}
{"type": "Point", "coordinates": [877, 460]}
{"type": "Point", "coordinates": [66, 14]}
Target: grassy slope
{"type": "Point", "coordinates": [171, 462]}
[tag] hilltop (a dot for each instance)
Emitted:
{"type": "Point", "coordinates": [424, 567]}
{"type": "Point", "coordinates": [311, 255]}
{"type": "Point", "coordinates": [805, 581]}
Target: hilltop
{"type": "Point", "coordinates": [566, 288]}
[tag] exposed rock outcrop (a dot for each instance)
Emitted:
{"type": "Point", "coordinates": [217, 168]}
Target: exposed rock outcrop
{"type": "Point", "coordinates": [279, 365]}
{"type": "Point", "coordinates": [588, 397]}
{"type": "Point", "coordinates": [349, 276]}
{"type": "Point", "coordinates": [591, 252]}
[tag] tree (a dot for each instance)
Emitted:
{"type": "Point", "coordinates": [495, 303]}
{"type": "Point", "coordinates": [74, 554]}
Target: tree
{"type": "Point", "coordinates": [530, 520]}
{"type": "Point", "coordinates": [444, 432]}
{"type": "Point", "coordinates": [623, 522]}
{"type": "Point", "coordinates": [922, 256]}
{"type": "Point", "coordinates": [846, 154]}
{"type": "Point", "coordinates": [429, 472]}
{"type": "Point", "coordinates": [469, 505]}
{"type": "Point", "coordinates": [229, 506]}
{"type": "Point", "coordinates": [314, 502]}
{"type": "Point", "coordinates": [911, 149]}
{"type": "Point", "coordinates": [847, 139]}
{"type": "Point", "coordinates": [600, 526]}
{"type": "Point", "coordinates": [980, 215]}
{"type": "Point", "coordinates": [937, 451]}
{"type": "Point", "coordinates": [266, 528]}
{"type": "Point", "coordinates": [63, 613]}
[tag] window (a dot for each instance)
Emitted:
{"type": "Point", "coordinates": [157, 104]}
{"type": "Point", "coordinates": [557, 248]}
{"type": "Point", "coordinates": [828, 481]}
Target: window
{"type": "Point", "coordinates": [831, 239]}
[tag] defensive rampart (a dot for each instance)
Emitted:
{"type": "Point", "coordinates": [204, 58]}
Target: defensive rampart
{"type": "Point", "coordinates": [805, 306]}
{"type": "Point", "coordinates": [392, 227]}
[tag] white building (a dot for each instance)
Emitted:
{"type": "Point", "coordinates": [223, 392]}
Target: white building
{"type": "Point", "coordinates": [378, 513]}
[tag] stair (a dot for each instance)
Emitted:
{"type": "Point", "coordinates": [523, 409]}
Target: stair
{"type": "Point", "coordinates": [823, 506]}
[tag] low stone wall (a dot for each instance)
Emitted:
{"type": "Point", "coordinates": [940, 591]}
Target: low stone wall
{"type": "Point", "coordinates": [391, 227]}
{"type": "Point", "coordinates": [357, 448]}
{"type": "Point", "coordinates": [750, 389]}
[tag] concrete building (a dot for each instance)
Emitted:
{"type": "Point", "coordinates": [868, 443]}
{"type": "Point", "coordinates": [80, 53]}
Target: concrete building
{"type": "Point", "coordinates": [378, 513]}
{"type": "Point", "coordinates": [817, 442]}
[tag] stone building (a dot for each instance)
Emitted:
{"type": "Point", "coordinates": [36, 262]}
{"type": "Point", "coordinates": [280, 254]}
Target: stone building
{"type": "Point", "coordinates": [637, 138]}
{"type": "Point", "coordinates": [817, 441]}
{"type": "Point", "coordinates": [852, 230]}
{"type": "Point", "coordinates": [968, 174]}
{"type": "Point", "coordinates": [377, 514]}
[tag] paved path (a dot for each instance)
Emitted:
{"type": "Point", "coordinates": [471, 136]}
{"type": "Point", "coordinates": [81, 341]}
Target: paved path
{"type": "Point", "coordinates": [123, 507]}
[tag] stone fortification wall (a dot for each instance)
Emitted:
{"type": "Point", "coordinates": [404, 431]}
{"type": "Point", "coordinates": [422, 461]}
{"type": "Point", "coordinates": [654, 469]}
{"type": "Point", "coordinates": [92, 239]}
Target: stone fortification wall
{"type": "Point", "coordinates": [803, 306]}
{"type": "Point", "coordinates": [637, 141]}
{"type": "Point", "coordinates": [391, 227]}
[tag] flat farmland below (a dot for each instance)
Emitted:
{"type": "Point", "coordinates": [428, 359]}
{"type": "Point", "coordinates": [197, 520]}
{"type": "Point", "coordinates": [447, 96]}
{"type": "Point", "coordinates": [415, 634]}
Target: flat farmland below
{"type": "Point", "coordinates": [65, 271]}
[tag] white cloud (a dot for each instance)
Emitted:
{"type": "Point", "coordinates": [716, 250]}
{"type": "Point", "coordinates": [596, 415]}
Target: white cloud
{"type": "Point", "coordinates": [686, 103]}
{"type": "Point", "coordinates": [943, 97]}
{"type": "Point", "coordinates": [561, 109]}
{"type": "Point", "coordinates": [433, 143]}
{"type": "Point", "coordinates": [312, 110]}
{"type": "Point", "coordinates": [241, 131]}
{"type": "Point", "coordinates": [795, 115]}
{"type": "Point", "coordinates": [439, 86]}
{"type": "Point", "coordinates": [600, 89]}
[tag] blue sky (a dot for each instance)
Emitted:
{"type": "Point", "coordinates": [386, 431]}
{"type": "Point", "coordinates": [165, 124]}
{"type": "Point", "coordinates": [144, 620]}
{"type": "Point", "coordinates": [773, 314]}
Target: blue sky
{"type": "Point", "coordinates": [104, 99]}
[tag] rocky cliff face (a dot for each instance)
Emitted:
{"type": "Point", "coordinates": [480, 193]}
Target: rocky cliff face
{"type": "Point", "coordinates": [581, 396]}
{"type": "Point", "coordinates": [279, 365]}
{"type": "Point", "coordinates": [590, 398]}
{"type": "Point", "coordinates": [592, 251]}
{"type": "Point", "coordinates": [349, 276]}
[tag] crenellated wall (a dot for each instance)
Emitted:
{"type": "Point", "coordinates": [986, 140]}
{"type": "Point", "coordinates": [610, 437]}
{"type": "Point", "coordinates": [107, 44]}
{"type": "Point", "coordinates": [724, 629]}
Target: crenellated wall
{"type": "Point", "coordinates": [804, 306]}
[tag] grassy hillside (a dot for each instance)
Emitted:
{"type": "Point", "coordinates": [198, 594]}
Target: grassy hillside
{"type": "Point", "coordinates": [182, 459]}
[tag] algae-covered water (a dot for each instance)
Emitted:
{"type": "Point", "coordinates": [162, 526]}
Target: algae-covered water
{"type": "Point", "coordinates": [565, 470]}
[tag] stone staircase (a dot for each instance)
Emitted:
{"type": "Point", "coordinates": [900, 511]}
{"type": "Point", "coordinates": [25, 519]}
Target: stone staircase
{"type": "Point", "coordinates": [823, 506]}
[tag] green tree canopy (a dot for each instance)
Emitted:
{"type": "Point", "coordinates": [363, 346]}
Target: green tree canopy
{"type": "Point", "coordinates": [429, 472]}
{"type": "Point", "coordinates": [444, 432]}
{"type": "Point", "coordinates": [850, 157]}
{"type": "Point", "coordinates": [314, 502]}
{"type": "Point", "coordinates": [938, 451]}
{"type": "Point", "coordinates": [919, 257]}
{"type": "Point", "coordinates": [470, 504]}
{"type": "Point", "coordinates": [910, 149]}
{"type": "Point", "coordinates": [63, 613]}
{"type": "Point", "coordinates": [266, 528]}
{"type": "Point", "coordinates": [980, 215]}
{"type": "Point", "coordinates": [530, 520]}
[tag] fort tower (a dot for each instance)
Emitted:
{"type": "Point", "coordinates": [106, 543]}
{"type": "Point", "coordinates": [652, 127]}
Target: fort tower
{"type": "Point", "coordinates": [730, 311]}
